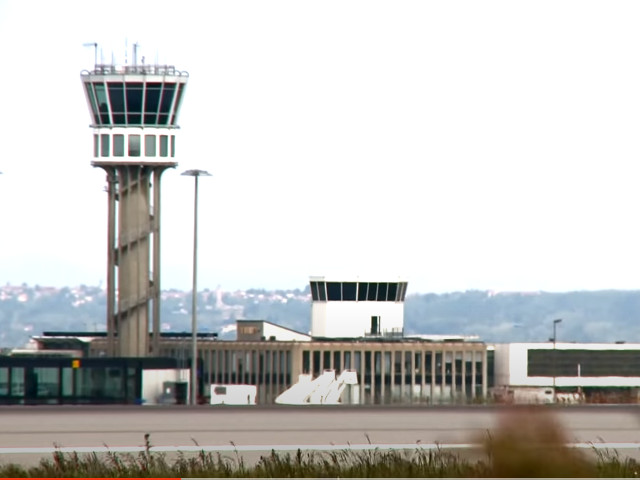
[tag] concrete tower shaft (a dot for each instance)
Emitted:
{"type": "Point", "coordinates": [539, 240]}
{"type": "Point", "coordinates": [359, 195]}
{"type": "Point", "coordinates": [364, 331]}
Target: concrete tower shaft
{"type": "Point", "coordinates": [134, 112]}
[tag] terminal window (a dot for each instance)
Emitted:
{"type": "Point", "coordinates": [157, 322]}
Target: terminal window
{"type": "Point", "coordinates": [583, 363]}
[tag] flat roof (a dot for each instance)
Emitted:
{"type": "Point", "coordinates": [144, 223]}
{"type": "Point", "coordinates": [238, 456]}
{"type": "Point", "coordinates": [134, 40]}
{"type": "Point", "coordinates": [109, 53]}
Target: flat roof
{"type": "Point", "coordinates": [275, 325]}
{"type": "Point", "coordinates": [104, 334]}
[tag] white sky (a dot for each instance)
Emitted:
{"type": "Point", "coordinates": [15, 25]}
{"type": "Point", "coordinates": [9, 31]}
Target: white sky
{"type": "Point", "coordinates": [456, 144]}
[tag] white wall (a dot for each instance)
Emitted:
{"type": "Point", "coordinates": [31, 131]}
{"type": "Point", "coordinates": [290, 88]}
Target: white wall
{"type": "Point", "coordinates": [353, 319]}
{"type": "Point", "coordinates": [511, 366]}
{"type": "Point", "coordinates": [318, 319]}
{"type": "Point", "coordinates": [501, 364]}
{"type": "Point", "coordinates": [283, 334]}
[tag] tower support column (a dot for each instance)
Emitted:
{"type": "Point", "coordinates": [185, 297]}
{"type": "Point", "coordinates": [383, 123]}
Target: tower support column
{"type": "Point", "coordinates": [133, 259]}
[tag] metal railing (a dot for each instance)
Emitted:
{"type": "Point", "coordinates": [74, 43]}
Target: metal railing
{"type": "Point", "coordinates": [142, 69]}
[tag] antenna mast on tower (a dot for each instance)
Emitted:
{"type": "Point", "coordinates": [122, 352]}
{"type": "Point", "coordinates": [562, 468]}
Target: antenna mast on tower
{"type": "Point", "coordinates": [95, 52]}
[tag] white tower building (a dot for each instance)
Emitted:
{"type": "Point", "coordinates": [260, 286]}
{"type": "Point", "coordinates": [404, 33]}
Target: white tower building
{"type": "Point", "coordinates": [352, 309]}
{"type": "Point", "coordinates": [134, 117]}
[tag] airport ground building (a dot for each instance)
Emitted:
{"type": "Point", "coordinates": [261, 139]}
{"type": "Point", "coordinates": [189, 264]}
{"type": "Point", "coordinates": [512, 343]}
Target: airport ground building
{"type": "Point", "coordinates": [389, 371]}
{"type": "Point", "coordinates": [407, 370]}
{"type": "Point", "coordinates": [56, 379]}
{"type": "Point", "coordinates": [390, 366]}
{"type": "Point", "coordinates": [588, 372]}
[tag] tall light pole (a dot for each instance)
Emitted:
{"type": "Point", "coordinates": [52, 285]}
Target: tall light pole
{"type": "Point", "coordinates": [194, 296]}
{"type": "Point", "coordinates": [555, 323]}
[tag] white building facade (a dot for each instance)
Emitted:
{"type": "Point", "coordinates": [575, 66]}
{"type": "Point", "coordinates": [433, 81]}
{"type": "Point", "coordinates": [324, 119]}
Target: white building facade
{"type": "Point", "coordinates": [593, 369]}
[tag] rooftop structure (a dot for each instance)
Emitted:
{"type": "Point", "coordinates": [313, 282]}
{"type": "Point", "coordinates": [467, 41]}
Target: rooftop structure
{"type": "Point", "coordinates": [356, 308]}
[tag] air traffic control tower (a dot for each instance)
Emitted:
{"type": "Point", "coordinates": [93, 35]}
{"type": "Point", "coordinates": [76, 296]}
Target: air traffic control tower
{"type": "Point", "coordinates": [134, 117]}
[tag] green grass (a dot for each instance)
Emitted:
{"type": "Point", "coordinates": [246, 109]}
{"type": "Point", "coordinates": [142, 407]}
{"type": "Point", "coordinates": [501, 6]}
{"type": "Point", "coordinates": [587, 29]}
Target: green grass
{"type": "Point", "coordinates": [526, 443]}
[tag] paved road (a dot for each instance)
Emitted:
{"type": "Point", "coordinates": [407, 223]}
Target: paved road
{"type": "Point", "coordinates": [28, 433]}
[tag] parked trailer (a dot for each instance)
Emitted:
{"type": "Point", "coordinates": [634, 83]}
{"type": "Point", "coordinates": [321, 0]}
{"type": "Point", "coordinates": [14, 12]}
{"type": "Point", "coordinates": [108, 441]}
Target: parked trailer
{"type": "Point", "coordinates": [233, 394]}
{"type": "Point", "coordinates": [523, 395]}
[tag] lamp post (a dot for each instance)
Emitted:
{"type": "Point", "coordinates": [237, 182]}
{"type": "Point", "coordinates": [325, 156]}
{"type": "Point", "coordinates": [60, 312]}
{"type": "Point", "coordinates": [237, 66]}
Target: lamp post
{"type": "Point", "coordinates": [194, 296]}
{"type": "Point", "coordinates": [555, 323]}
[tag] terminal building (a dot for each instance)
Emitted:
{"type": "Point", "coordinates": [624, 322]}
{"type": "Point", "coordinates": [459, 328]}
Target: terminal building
{"type": "Point", "coordinates": [577, 372]}
{"type": "Point", "coordinates": [351, 330]}
{"type": "Point", "coordinates": [355, 326]}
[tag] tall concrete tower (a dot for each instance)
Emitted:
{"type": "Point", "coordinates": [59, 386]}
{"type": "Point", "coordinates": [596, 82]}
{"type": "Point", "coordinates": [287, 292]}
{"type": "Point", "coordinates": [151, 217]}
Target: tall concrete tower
{"type": "Point", "coordinates": [134, 116]}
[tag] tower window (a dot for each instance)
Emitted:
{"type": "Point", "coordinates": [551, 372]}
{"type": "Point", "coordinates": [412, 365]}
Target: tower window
{"type": "Point", "coordinates": [134, 145]}
{"type": "Point", "coordinates": [167, 98]}
{"type": "Point", "coordinates": [118, 145]}
{"type": "Point", "coordinates": [152, 102]}
{"type": "Point", "coordinates": [393, 291]}
{"type": "Point", "coordinates": [116, 96]}
{"type": "Point", "coordinates": [322, 292]}
{"type": "Point", "coordinates": [134, 95]}
{"type": "Point", "coordinates": [362, 291]}
{"type": "Point", "coordinates": [177, 104]}
{"type": "Point", "coordinates": [94, 105]}
{"type": "Point", "coordinates": [164, 145]}
{"type": "Point", "coordinates": [349, 291]}
{"type": "Point", "coordinates": [103, 107]}
{"type": "Point", "coordinates": [314, 290]}
{"type": "Point", "coordinates": [373, 292]}
{"type": "Point", "coordinates": [104, 145]}
{"type": "Point", "coordinates": [382, 292]}
{"type": "Point", "coordinates": [150, 145]}
{"type": "Point", "coordinates": [334, 291]}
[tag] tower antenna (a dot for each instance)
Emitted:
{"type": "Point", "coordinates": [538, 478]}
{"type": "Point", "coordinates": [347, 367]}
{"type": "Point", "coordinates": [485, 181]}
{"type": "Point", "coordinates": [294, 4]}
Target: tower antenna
{"type": "Point", "coordinates": [95, 52]}
{"type": "Point", "coordinates": [135, 54]}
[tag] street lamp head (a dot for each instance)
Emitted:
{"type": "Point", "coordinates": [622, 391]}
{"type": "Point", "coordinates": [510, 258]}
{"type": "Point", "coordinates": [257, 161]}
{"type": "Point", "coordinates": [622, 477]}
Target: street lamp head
{"type": "Point", "coordinates": [557, 320]}
{"type": "Point", "coordinates": [196, 173]}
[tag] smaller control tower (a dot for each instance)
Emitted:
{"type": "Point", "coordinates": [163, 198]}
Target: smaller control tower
{"type": "Point", "coordinates": [134, 116]}
{"type": "Point", "coordinates": [356, 308]}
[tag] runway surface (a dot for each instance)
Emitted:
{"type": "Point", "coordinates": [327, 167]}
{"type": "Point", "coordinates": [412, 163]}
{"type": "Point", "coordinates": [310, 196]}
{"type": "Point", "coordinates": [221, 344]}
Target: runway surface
{"type": "Point", "coordinates": [28, 433]}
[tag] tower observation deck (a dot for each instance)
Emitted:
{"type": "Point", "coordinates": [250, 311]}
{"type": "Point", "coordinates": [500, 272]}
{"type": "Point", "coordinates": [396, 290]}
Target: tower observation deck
{"type": "Point", "coordinates": [134, 117]}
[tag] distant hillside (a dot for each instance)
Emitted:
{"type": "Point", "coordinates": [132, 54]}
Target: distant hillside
{"type": "Point", "coordinates": [598, 316]}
